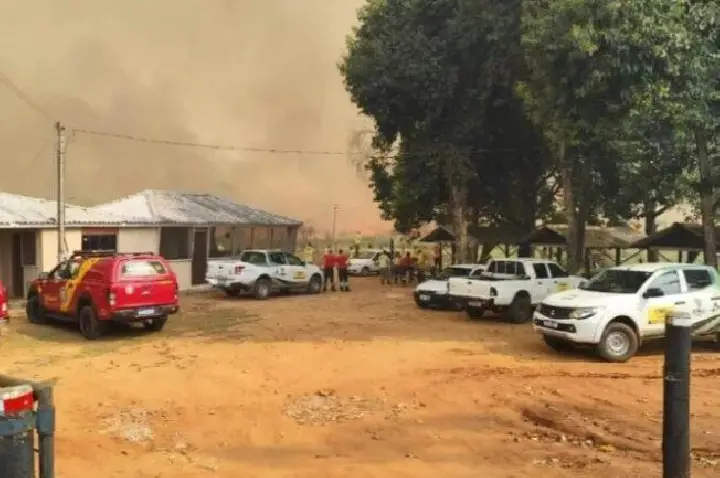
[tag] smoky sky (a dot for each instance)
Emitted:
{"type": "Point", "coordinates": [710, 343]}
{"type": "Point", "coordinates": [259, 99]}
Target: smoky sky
{"type": "Point", "coordinates": [254, 73]}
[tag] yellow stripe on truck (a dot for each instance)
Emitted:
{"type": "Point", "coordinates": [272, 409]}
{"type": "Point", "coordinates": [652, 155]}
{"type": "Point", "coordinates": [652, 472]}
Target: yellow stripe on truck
{"type": "Point", "coordinates": [71, 286]}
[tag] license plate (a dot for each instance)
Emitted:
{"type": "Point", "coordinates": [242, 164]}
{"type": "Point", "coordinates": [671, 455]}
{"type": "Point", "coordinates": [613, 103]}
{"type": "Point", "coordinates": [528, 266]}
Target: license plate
{"type": "Point", "coordinates": [475, 303]}
{"type": "Point", "coordinates": [424, 297]}
{"type": "Point", "coordinates": [549, 324]}
{"type": "Point", "coordinates": [145, 312]}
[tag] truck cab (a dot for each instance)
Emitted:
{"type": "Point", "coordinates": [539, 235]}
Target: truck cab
{"type": "Point", "coordinates": [622, 307]}
{"type": "Point", "coordinates": [512, 287]}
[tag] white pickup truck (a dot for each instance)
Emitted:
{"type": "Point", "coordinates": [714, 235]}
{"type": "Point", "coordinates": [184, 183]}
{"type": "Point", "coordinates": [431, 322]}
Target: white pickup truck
{"type": "Point", "coordinates": [621, 307]}
{"type": "Point", "coordinates": [262, 272]}
{"type": "Point", "coordinates": [511, 286]}
{"type": "Point", "coordinates": [365, 263]}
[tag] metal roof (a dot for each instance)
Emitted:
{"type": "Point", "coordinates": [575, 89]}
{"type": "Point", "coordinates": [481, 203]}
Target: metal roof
{"type": "Point", "coordinates": [171, 208]}
{"type": "Point", "coordinates": [18, 211]}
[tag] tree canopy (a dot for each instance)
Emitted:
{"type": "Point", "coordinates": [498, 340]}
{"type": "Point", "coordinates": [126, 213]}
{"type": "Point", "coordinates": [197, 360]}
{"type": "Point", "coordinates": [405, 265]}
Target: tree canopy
{"type": "Point", "coordinates": [485, 110]}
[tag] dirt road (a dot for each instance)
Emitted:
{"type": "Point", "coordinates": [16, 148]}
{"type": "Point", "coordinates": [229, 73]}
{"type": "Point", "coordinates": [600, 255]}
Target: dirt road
{"type": "Point", "coordinates": [359, 384]}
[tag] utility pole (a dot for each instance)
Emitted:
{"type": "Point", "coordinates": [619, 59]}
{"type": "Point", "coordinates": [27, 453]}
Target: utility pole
{"type": "Point", "coordinates": [334, 221]}
{"type": "Point", "coordinates": [60, 160]}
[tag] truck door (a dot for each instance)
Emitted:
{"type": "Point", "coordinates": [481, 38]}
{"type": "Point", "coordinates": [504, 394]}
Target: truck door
{"type": "Point", "coordinates": [53, 290]}
{"type": "Point", "coordinates": [279, 269]}
{"type": "Point", "coordinates": [653, 310]}
{"type": "Point", "coordinates": [544, 284]}
{"type": "Point", "coordinates": [296, 272]}
{"type": "Point", "coordinates": [559, 278]}
{"type": "Point", "coordinates": [703, 299]}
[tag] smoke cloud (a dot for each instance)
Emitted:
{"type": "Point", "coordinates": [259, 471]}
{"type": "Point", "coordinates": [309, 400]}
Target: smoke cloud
{"type": "Point", "coordinates": [252, 73]}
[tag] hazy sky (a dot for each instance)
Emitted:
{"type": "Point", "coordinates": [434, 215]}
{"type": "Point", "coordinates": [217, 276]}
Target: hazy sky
{"type": "Point", "coordinates": [256, 73]}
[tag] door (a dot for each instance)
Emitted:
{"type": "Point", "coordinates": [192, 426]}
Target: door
{"type": "Point", "coordinates": [17, 287]}
{"type": "Point", "coordinates": [53, 289]}
{"type": "Point", "coordinates": [199, 257]}
{"type": "Point", "coordinates": [654, 310]}
{"type": "Point", "coordinates": [559, 278]}
{"type": "Point", "coordinates": [545, 285]}
{"type": "Point", "coordinates": [703, 299]}
{"type": "Point", "coordinates": [279, 270]}
{"type": "Point", "coordinates": [297, 271]}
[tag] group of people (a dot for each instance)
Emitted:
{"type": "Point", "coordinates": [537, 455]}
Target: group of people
{"type": "Point", "coordinates": [332, 262]}
{"type": "Point", "coordinates": [402, 269]}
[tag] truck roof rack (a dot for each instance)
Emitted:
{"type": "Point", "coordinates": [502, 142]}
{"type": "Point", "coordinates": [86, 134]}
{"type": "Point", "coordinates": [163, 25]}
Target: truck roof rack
{"type": "Point", "coordinates": [107, 253]}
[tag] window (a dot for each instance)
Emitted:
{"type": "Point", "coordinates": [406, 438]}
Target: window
{"type": "Point", "coordinates": [667, 282]}
{"type": "Point", "coordinates": [507, 267]}
{"type": "Point", "coordinates": [66, 270]}
{"type": "Point", "coordinates": [697, 279]}
{"type": "Point", "coordinates": [29, 248]}
{"type": "Point", "coordinates": [254, 257]}
{"type": "Point", "coordinates": [541, 271]}
{"type": "Point", "coordinates": [99, 242]}
{"type": "Point", "coordinates": [556, 271]}
{"type": "Point", "coordinates": [142, 268]}
{"type": "Point", "coordinates": [294, 261]}
{"type": "Point", "coordinates": [477, 274]}
{"type": "Point", "coordinates": [175, 243]}
{"type": "Point", "coordinates": [221, 241]}
{"type": "Point", "coordinates": [277, 257]}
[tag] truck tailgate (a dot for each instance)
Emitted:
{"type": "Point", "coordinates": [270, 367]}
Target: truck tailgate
{"type": "Point", "coordinates": [221, 268]}
{"type": "Point", "coordinates": [144, 282]}
{"type": "Point", "coordinates": [470, 287]}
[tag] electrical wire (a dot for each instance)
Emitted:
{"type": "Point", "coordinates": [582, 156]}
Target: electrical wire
{"type": "Point", "coordinates": [226, 147]}
{"type": "Point", "coordinates": [23, 97]}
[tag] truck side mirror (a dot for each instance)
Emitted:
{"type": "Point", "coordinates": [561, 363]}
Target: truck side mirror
{"type": "Point", "coordinates": [653, 293]}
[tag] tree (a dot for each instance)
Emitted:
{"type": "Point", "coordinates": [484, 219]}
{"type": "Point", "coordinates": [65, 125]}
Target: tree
{"type": "Point", "coordinates": [437, 77]}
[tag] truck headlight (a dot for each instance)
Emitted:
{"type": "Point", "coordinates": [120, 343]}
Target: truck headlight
{"type": "Point", "coordinates": [584, 313]}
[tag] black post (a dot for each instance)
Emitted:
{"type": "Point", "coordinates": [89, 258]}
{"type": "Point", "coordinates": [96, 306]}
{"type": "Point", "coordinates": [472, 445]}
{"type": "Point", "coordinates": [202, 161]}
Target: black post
{"type": "Point", "coordinates": [676, 396]}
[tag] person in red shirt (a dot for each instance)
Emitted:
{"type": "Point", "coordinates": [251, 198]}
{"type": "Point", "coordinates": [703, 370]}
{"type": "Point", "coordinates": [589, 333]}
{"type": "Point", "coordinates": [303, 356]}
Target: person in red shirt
{"type": "Point", "coordinates": [341, 262]}
{"type": "Point", "coordinates": [407, 266]}
{"type": "Point", "coordinates": [329, 270]}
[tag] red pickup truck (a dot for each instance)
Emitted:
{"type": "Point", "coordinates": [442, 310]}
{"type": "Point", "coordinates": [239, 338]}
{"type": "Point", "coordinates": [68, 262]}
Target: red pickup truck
{"type": "Point", "coordinates": [96, 288]}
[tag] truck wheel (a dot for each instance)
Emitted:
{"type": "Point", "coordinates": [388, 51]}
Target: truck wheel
{"type": "Point", "coordinates": [90, 327]}
{"type": "Point", "coordinates": [475, 312]}
{"type": "Point", "coordinates": [520, 310]}
{"type": "Point", "coordinates": [365, 271]}
{"type": "Point", "coordinates": [558, 344]}
{"type": "Point", "coordinates": [315, 285]}
{"type": "Point", "coordinates": [261, 291]}
{"type": "Point", "coordinates": [155, 325]}
{"type": "Point", "coordinates": [35, 311]}
{"type": "Point", "coordinates": [619, 343]}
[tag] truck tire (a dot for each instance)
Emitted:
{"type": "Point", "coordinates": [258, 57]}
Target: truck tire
{"type": "Point", "coordinates": [156, 324]}
{"type": "Point", "coordinates": [365, 271]}
{"type": "Point", "coordinates": [35, 311]}
{"type": "Point", "coordinates": [90, 327]}
{"type": "Point", "coordinates": [261, 290]}
{"type": "Point", "coordinates": [521, 309]}
{"type": "Point", "coordinates": [558, 344]}
{"type": "Point", "coordinates": [618, 343]}
{"type": "Point", "coordinates": [475, 312]}
{"type": "Point", "coordinates": [315, 285]}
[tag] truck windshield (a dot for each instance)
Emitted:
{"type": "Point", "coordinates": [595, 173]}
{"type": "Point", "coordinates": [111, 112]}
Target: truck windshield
{"type": "Point", "coordinates": [618, 281]}
{"type": "Point", "coordinates": [254, 257]}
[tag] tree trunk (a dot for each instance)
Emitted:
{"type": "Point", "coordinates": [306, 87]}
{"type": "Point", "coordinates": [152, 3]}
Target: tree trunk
{"type": "Point", "coordinates": [487, 249]}
{"type": "Point", "coordinates": [566, 174]}
{"type": "Point", "coordinates": [650, 227]}
{"type": "Point", "coordinates": [458, 199]}
{"type": "Point", "coordinates": [706, 198]}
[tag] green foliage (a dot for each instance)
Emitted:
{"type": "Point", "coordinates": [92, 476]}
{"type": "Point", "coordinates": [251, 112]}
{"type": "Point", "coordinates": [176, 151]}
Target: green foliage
{"type": "Point", "coordinates": [437, 77]}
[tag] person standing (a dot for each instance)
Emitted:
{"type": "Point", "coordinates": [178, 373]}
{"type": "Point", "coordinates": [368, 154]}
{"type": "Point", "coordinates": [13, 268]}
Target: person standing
{"type": "Point", "coordinates": [328, 270]}
{"type": "Point", "coordinates": [341, 262]}
{"type": "Point", "coordinates": [397, 267]}
{"type": "Point", "coordinates": [406, 263]}
{"type": "Point", "coordinates": [422, 260]}
{"type": "Point", "coordinates": [309, 253]}
{"type": "Point", "coordinates": [384, 264]}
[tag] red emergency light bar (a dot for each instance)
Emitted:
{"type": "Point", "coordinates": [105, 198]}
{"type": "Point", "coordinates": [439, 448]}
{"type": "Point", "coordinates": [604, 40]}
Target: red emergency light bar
{"type": "Point", "coordinates": [16, 400]}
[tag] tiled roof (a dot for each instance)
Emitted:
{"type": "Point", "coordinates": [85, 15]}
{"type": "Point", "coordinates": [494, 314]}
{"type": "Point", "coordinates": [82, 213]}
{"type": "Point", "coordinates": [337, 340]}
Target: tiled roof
{"type": "Point", "coordinates": [22, 211]}
{"type": "Point", "coordinates": [154, 207]}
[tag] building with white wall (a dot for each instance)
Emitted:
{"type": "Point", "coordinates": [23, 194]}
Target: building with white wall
{"type": "Point", "coordinates": [186, 229]}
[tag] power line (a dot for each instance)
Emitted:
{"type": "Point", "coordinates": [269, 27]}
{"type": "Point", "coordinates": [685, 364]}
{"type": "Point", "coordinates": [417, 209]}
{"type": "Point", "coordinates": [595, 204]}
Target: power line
{"type": "Point", "coordinates": [228, 147]}
{"type": "Point", "coordinates": [23, 97]}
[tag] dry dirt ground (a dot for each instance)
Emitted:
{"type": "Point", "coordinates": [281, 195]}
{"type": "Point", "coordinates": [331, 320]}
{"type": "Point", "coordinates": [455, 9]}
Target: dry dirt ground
{"type": "Point", "coordinates": [359, 384]}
